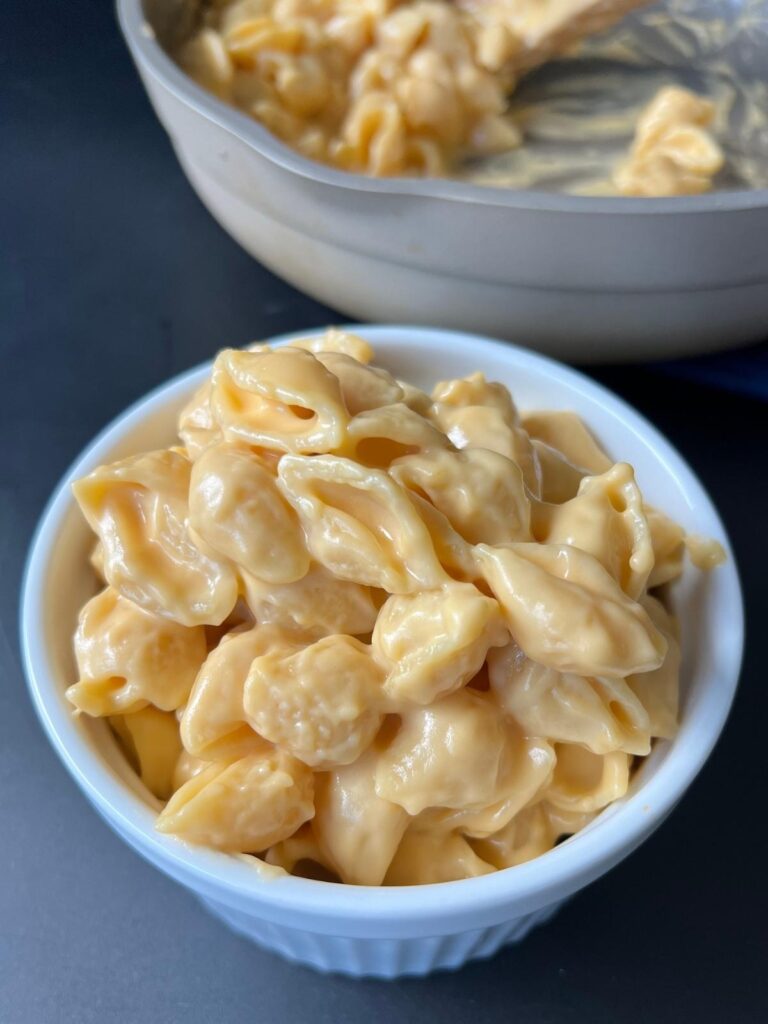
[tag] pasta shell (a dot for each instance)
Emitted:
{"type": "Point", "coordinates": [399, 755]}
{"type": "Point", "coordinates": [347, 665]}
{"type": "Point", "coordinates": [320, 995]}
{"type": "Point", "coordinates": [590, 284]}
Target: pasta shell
{"type": "Point", "coordinates": [668, 540]}
{"type": "Point", "coordinates": [378, 436]}
{"type": "Point", "coordinates": [301, 855]}
{"type": "Point", "coordinates": [358, 830]}
{"type": "Point", "coordinates": [527, 766]}
{"type": "Point", "coordinates": [97, 561]}
{"type": "Point", "coordinates": [453, 552]}
{"type": "Point", "coordinates": [283, 399]}
{"type": "Point", "coordinates": [475, 390]}
{"type": "Point", "coordinates": [607, 520]}
{"type": "Point", "coordinates": [584, 782]}
{"type": "Point", "coordinates": [214, 725]}
{"type": "Point", "coordinates": [566, 612]}
{"type": "Point", "coordinates": [360, 524]}
{"type": "Point", "coordinates": [127, 658]}
{"type": "Point", "coordinates": [601, 714]}
{"type": "Point", "coordinates": [318, 604]}
{"type": "Point", "coordinates": [476, 426]}
{"type": "Point", "coordinates": [362, 387]}
{"type": "Point", "coordinates": [197, 427]}
{"type": "Point", "coordinates": [187, 766]}
{"type": "Point", "coordinates": [449, 754]}
{"type": "Point", "coordinates": [336, 340]}
{"type": "Point", "coordinates": [658, 691]}
{"type": "Point", "coordinates": [526, 836]}
{"type": "Point", "coordinates": [415, 398]}
{"type": "Point", "coordinates": [205, 58]}
{"type": "Point", "coordinates": [425, 857]}
{"type": "Point", "coordinates": [559, 478]}
{"type": "Point", "coordinates": [435, 642]}
{"type": "Point", "coordinates": [481, 493]}
{"type": "Point", "coordinates": [139, 509]}
{"type": "Point", "coordinates": [237, 509]}
{"type": "Point", "coordinates": [567, 434]}
{"type": "Point", "coordinates": [242, 807]}
{"type": "Point", "coordinates": [151, 741]}
{"type": "Point", "coordinates": [321, 703]}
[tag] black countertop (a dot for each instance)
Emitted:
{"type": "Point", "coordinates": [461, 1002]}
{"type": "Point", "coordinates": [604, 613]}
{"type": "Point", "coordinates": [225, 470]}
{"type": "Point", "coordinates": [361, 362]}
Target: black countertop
{"type": "Point", "coordinates": [115, 278]}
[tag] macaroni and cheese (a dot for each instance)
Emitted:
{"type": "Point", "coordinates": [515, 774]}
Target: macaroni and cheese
{"type": "Point", "coordinates": [673, 153]}
{"type": "Point", "coordinates": [421, 87]}
{"type": "Point", "coordinates": [372, 634]}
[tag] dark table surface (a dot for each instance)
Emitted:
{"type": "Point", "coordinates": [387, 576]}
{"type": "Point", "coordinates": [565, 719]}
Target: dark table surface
{"type": "Point", "coordinates": [115, 278]}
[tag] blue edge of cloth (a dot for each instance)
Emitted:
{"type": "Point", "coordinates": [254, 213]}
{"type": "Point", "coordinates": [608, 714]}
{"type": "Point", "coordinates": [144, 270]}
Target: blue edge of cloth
{"type": "Point", "coordinates": [743, 370]}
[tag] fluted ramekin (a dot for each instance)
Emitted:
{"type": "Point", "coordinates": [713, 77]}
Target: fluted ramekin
{"type": "Point", "coordinates": [393, 931]}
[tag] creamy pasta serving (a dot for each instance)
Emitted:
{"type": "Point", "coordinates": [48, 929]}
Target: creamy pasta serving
{"type": "Point", "coordinates": [371, 634]}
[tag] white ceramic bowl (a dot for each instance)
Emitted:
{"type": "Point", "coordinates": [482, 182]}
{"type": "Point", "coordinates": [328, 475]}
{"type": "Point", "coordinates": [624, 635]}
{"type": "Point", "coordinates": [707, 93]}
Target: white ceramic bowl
{"type": "Point", "coordinates": [580, 278]}
{"type": "Point", "coordinates": [393, 931]}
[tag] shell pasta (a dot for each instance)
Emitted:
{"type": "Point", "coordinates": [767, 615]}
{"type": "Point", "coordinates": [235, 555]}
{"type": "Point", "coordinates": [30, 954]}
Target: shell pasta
{"type": "Point", "coordinates": [398, 87]}
{"type": "Point", "coordinates": [374, 635]}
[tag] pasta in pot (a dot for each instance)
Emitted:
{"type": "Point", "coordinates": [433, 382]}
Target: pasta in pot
{"type": "Point", "coordinates": [422, 87]}
{"type": "Point", "coordinates": [371, 85]}
{"type": "Point", "coordinates": [372, 665]}
{"type": "Point", "coordinates": [672, 152]}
